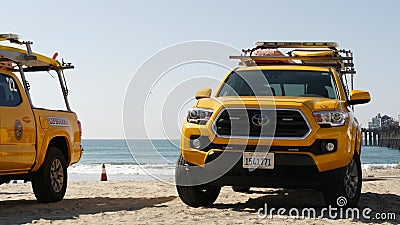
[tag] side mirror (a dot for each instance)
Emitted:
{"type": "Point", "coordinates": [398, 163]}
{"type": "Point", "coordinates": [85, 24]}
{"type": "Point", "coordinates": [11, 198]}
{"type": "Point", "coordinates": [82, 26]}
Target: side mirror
{"type": "Point", "coordinates": [359, 97]}
{"type": "Point", "coordinates": [203, 93]}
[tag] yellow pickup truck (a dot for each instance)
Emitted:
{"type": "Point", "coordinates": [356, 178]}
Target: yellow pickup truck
{"type": "Point", "coordinates": [279, 120]}
{"type": "Point", "coordinates": [36, 144]}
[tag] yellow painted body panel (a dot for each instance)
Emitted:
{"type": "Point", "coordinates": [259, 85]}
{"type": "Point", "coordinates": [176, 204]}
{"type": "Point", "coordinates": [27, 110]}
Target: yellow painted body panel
{"type": "Point", "coordinates": [46, 132]}
{"type": "Point", "coordinates": [25, 155]}
{"type": "Point", "coordinates": [348, 136]}
{"type": "Point", "coordinates": [17, 155]}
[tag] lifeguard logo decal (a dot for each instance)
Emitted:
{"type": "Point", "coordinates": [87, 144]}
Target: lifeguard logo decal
{"type": "Point", "coordinates": [18, 130]}
{"type": "Point", "coordinates": [57, 121]}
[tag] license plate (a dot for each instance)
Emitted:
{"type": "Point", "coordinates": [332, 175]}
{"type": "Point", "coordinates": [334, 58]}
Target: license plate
{"type": "Point", "coordinates": [258, 160]}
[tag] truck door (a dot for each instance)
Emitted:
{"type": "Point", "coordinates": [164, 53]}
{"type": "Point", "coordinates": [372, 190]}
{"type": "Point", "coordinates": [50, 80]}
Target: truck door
{"type": "Point", "coordinates": [17, 127]}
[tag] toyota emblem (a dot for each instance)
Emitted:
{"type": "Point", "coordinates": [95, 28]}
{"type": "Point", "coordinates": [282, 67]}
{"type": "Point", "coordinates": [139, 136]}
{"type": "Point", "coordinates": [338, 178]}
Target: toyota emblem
{"type": "Point", "coordinates": [260, 120]}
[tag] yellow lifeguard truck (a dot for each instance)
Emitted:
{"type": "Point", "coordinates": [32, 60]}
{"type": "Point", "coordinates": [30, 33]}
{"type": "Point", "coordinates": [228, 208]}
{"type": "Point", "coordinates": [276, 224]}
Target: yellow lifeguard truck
{"type": "Point", "coordinates": [279, 120]}
{"type": "Point", "coordinates": [35, 144]}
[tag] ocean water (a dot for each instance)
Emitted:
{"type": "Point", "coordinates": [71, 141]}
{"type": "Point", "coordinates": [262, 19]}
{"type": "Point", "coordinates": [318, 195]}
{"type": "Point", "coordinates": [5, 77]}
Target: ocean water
{"type": "Point", "coordinates": [126, 160]}
{"type": "Point", "coordinates": [148, 159]}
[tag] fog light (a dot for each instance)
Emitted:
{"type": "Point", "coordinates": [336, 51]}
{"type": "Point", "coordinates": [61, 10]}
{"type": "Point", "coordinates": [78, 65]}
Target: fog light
{"type": "Point", "coordinates": [196, 143]}
{"type": "Point", "coordinates": [193, 113]}
{"type": "Point", "coordinates": [330, 146]}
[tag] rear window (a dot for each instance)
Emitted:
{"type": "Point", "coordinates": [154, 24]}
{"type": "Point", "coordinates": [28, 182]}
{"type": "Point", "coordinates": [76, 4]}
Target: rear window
{"type": "Point", "coordinates": [9, 93]}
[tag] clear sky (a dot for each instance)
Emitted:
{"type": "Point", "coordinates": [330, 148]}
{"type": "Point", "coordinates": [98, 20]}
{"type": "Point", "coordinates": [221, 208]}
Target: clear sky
{"type": "Point", "coordinates": [109, 40]}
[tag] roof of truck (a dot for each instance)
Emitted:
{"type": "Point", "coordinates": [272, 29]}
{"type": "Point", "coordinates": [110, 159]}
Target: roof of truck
{"type": "Point", "coordinates": [284, 67]}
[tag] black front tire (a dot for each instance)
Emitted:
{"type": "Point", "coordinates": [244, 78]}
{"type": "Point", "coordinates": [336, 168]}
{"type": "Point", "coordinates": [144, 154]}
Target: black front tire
{"type": "Point", "coordinates": [347, 192]}
{"type": "Point", "coordinates": [49, 183]}
{"type": "Point", "coordinates": [196, 195]}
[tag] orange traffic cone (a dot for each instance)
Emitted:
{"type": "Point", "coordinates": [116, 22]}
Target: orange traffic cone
{"type": "Point", "coordinates": [103, 174]}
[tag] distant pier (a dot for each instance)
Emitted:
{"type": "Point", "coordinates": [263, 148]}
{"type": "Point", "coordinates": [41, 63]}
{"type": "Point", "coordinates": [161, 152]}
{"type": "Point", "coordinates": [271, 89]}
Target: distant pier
{"type": "Point", "coordinates": [382, 137]}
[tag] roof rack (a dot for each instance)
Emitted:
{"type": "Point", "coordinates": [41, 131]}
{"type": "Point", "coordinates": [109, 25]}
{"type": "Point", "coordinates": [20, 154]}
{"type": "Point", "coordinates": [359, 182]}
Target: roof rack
{"type": "Point", "coordinates": [19, 60]}
{"type": "Point", "coordinates": [271, 44]}
{"type": "Point", "coordinates": [29, 60]}
{"type": "Point", "coordinates": [342, 60]}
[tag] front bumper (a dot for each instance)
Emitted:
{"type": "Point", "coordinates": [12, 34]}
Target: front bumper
{"type": "Point", "coordinates": [290, 171]}
{"type": "Point", "coordinates": [310, 146]}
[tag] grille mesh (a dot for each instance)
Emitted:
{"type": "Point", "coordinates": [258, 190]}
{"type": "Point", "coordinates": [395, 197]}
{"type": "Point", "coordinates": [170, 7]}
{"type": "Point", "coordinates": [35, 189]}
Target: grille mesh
{"type": "Point", "coordinates": [243, 122]}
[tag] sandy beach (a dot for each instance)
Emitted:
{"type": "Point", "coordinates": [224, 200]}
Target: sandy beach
{"type": "Point", "coordinates": [155, 202]}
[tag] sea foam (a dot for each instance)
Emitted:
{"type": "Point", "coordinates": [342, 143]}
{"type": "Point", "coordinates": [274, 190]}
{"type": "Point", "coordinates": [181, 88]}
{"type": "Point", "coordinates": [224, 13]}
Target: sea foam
{"type": "Point", "coordinates": [369, 167]}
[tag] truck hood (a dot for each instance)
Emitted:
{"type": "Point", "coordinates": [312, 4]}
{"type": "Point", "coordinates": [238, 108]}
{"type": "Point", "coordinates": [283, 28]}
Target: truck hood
{"type": "Point", "coordinates": [313, 103]}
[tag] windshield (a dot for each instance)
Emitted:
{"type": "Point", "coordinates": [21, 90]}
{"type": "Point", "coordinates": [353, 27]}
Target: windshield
{"type": "Point", "coordinates": [297, 83]}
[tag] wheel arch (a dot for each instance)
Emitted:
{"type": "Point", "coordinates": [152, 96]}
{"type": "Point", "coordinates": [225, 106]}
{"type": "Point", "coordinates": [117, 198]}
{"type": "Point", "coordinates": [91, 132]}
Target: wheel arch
{"type": "Point", "coordinates": [358, 140]}
{"type": "Point", "coordinates": [61, 143]}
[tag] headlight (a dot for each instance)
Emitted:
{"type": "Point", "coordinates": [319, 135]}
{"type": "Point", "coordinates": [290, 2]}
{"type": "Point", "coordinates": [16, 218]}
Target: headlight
{"type": "Point", "coordinates": [333, 118]}
{"type": "Point", "coordinates": [199, 115]}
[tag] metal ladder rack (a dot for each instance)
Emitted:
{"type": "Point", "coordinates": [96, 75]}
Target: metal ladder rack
{"type": "Point", "coordinates": [342, 59]}
{"type": "Point", "coordinates": [18, 60]}
{"type": "Point", "coordinates": [29, 60]}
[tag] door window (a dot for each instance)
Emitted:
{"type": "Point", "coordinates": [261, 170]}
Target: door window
{"type": "Point", "coordinates": [9, 94]}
